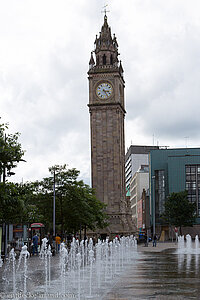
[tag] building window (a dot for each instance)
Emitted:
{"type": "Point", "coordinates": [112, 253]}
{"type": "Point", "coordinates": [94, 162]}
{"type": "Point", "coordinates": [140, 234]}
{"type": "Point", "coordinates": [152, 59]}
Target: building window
{"type": "Point", "coordinates": [192, 184]}
{"type": "Point", "coordinates": [159, 192]}
{"type": "Point", "coordinates": [104, 59]}
{"type": "Point", "coordinates": [111, 59]}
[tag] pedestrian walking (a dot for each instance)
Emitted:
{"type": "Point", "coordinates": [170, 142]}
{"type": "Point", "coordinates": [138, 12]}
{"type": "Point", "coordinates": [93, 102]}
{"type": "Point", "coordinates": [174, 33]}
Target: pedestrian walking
{"type": "Point", "coordinates": [35, 244]}
{"type": "Point", "coordinates": [58, 242]}
{"type": "Point", "coordinates": [154, 240]}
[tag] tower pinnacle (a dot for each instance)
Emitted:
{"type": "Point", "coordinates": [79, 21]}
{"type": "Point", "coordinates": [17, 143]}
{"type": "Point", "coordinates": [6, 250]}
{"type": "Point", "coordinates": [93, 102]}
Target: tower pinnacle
{"type": "Point", "coordinates": [106, 47]}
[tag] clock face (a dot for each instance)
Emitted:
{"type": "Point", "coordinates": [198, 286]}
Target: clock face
{"type": "Point", "coordinates": [104, 90]}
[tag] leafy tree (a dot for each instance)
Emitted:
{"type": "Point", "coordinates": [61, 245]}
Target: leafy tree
{"type": "Point", "coordinates": [76, 204]}
{"type": "Point", "coordinates": [11, 203]}
{"type": "Point", "coordinates": [31, 212]}
{"type": "Point", "coordinates": [179, 211]}
{"type": "Point", "coordinates": [10, 151]}
{"type": "Point", "coordinates": [11, 195]}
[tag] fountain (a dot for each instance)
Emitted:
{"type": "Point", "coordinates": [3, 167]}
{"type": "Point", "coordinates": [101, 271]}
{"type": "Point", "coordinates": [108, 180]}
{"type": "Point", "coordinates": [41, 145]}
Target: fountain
{"type": "Point", "coordinates": [45, 255]}
{"type": "Point", "coordinates": [78, 256]}
{"type": "Point", "coordinates": [23, 256]}
{"type": "Point", "coordinates": [86, 271]}
{"type": "Point", "coordinates": [187, 246]}
{"type": "Point", "coordinates": [12, 258]}
{"type": "Point", "coordinates": [64, 258]}
{"type": "Point", "coordinates": [196, 243]}
{"type": "Point", "coordinates": [188, 243]}
{"type": "Point", "coordinates": [91, 259]}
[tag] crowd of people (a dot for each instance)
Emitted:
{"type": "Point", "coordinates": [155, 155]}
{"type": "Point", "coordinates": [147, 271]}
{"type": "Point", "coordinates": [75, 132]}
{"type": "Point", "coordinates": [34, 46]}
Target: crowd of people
{"type": "Point", "coordinates": [147, 240]}
{"type": "Point", "coordinates": [53, 242]}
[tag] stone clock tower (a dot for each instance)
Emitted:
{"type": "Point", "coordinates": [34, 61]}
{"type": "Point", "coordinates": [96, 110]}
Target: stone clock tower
{"type": "Point", "coordinates": [107, 112]}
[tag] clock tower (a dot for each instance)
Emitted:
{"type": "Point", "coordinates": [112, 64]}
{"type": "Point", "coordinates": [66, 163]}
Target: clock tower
{"type": "Point", "coordinates": [107, 112]}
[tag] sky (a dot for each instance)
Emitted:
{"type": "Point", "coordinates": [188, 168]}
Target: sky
{"type": "Point", "coordinates": [45, 48]}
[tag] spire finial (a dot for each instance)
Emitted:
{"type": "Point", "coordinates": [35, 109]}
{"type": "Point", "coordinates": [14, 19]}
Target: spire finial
{"type": "Point", "coordinates": [105, 11]}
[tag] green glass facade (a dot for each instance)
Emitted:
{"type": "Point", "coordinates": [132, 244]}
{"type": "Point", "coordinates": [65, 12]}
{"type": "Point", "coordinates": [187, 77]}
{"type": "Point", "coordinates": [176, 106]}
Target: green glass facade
{"type": "Point", "coordinates": [173, 170]}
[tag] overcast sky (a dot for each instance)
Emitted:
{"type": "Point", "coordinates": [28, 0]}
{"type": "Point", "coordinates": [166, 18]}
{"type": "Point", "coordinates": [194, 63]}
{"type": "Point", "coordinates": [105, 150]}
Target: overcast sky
{"type": "Point", "coordinates": [45, 48]}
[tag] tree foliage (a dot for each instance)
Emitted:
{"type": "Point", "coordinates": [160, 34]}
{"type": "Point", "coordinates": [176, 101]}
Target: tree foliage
{"type": "Point", "coordinates": [10, 151]}
{"type": "Point", "coordinates": [76, 203]}
{"type": "Point", "coordinates": [179, 211]}
{"type": "Point", "coordinates": [11, 203]}
{"type": "Point", "coordinates": [11, 196]}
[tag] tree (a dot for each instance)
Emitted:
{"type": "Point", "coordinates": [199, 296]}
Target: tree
{"type": "Point", "coordinates": [76, 203]}
{"type": "Point", "coordinates": [10, 151]}
{"type": "Point", "coordinates": [179, 211]}
{"type": "Point", "coordinates": [11, 203]}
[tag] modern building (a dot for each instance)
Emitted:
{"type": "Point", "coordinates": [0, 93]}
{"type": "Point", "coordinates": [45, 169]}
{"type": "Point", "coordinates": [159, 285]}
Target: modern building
{"type": "Point", "coordinates": [173, 170]}
{"type": "Point", "coordinates": [135, 157]}
{"type": "Point", "coordinates": [107, 113]}
{"type": "Point", "coordinates": [138, 183]}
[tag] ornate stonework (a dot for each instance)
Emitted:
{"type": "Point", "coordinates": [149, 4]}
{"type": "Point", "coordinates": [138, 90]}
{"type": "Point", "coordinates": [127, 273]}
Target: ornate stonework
{"type": "Point", "coordinates": [107, 112]}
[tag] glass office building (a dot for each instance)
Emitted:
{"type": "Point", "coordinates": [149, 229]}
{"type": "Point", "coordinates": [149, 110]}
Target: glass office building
{"type": "Point", "coordinates": [173, 170]}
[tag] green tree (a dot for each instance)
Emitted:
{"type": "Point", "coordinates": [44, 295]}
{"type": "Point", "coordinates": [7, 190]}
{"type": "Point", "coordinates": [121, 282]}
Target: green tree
{"type": "Point", "coordinates": [11, 200]}
{"type": "Point", "coordinates": [76, 204]}
{"type": "Point", "coordinates": [11, 152]}
{"type": "Point", "coordinates": [11, 203]}
{"type": "Point", "coordinates": [179, 211]}
{"type": "Point", "coordinates": [31, 212]}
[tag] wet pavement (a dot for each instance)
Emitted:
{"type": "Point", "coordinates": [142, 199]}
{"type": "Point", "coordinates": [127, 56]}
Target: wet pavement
{"type": "Point", "coordinates": [160, 273]}
{"type": "Point", "coordinates": [154, 273]}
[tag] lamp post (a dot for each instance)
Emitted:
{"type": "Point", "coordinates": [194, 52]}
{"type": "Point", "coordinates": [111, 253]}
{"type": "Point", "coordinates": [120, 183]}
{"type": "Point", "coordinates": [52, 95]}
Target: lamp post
{"type": "Point", "coordinates": [153, 205]}
{"type": "Point", "coordinates": [54, 203]}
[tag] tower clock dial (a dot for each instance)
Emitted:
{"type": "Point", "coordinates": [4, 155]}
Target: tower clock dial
{"type": "Point", "coordinates": [104, 90]}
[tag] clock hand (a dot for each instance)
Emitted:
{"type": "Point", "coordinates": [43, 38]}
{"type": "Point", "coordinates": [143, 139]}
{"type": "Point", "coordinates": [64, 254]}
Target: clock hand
{"type": "Point", "coordinates": [105, 92]}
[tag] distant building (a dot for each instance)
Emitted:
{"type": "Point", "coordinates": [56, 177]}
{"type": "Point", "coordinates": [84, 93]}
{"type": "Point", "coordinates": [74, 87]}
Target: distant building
{"type": "Point", "coordinates": [173, 170]}
{"type": "Point", "coordinates": [135, 157]}
{"type": "Point", "coordinates": [138, 183]}
{"type": "Point", "coordinates": [143, 213]}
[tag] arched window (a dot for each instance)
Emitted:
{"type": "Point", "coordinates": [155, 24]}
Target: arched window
{"type": "Point", "coordinates": [97, 59]}
{"type": "Point", "coordinates": [104, 59]}
{"type": "Point", "coordinates": [111, 59]}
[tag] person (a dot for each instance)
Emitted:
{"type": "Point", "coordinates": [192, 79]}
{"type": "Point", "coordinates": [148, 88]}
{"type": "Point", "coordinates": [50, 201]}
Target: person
{"type": "Point", "coordinates": [145, 240]}
{"type": "Point", "coordinates": [154, 240]}
{"type": "Point", "coordinates": [35, 244]}
{"type": "Point", "coordinates": [58, 241]}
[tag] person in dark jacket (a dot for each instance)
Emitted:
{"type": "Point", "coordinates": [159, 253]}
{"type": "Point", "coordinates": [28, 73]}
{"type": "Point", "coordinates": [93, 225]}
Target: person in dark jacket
{"type": "Point", "coordinates": [35, 244]}
{"type": "Point", "coordinates": [154, 240]}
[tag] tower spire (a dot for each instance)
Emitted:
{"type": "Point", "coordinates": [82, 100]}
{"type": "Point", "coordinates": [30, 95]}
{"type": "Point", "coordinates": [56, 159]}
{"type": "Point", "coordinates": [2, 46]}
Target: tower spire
{"type": "Point", "coordinates": [106, 46]}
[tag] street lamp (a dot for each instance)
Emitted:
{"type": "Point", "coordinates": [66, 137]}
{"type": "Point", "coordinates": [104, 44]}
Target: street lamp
{"type": "Point", "coordinates": [153, 204]}
{"type": "Point", "coordinates": [54, 203]}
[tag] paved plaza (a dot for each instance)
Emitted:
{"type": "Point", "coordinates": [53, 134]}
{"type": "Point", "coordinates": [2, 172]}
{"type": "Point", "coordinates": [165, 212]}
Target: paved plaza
{"type": "Point", "coordinates": [153, 273]}
{"type": "Point", "coordinates": [161, 246]}
{"type": "Point", "coordinates": [160, 273]}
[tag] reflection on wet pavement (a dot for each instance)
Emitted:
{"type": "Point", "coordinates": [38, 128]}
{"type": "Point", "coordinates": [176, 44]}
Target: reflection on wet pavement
{"type": "Point", "coordinates": [150, 275]}
{"type": "Point", "coordinates": [164, 275]}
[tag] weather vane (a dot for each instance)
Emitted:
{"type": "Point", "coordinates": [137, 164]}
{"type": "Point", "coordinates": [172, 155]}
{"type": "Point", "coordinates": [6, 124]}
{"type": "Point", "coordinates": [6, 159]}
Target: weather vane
{"type": "Point", "coordinates": [105, 11]}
